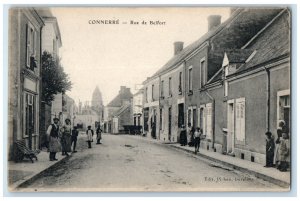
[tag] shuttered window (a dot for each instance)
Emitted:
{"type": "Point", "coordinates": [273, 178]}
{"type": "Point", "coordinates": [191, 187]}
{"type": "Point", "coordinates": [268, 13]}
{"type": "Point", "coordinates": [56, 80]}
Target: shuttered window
{"type": "Point", "coordinates": [209, 121]}
{"type": "Point", "coordinates": [240, 119]}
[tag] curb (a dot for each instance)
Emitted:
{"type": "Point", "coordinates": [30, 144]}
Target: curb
{"type": "Point", "coordinates": [254, 173]}
{"type": "Point", "coordinates": [34, 177]}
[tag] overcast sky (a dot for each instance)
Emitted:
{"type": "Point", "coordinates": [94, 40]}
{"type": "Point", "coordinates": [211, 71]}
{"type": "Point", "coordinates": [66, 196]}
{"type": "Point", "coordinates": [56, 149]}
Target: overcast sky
{"type": "Point", "coordinates": [114, 55]}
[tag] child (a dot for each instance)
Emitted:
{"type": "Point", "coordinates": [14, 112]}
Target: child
{"type": "Point", "coordinates": [90, 134]}
{"type": "Point", "coordinates": [270, 147]}
{"type": "Point", "coordinates": [284, 151]}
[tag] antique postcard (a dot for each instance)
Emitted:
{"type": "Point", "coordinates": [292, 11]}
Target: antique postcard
{"type": "Point", "coordinates": [149, 99]}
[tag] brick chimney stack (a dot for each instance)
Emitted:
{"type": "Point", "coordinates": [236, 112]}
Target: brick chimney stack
{"type": "Point", "coordinates": [213, 21]}
{"type": "Point", "coordinates": [178, 47]}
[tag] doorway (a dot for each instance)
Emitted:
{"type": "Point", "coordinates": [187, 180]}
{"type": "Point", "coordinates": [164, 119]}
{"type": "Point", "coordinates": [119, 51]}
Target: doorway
{"type": "Point", "coordinates": [170, 123]}
{"type": "Point", "coordinates": [230, 126]}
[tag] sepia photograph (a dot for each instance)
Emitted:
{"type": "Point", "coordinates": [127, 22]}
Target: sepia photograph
{"type": "Point", "coordinates": [149, 99]}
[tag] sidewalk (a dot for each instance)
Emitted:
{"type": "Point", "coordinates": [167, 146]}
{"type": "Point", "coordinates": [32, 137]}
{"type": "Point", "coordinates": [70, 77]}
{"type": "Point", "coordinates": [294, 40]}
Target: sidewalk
{"type": "Point", "coordinates": [25, 171]}
{"type": "Point", "coordinates": [269, 174]}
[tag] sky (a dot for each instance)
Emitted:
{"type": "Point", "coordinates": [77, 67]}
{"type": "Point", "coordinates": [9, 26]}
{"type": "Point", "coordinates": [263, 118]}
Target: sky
{"type": "Point", "coordinates": [114, 55]}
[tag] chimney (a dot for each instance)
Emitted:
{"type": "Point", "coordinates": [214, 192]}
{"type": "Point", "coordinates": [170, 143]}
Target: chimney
{"type": "Point", "coordinates": [213, 21]}
{"type": "Point", "coordinates": [178, 46]}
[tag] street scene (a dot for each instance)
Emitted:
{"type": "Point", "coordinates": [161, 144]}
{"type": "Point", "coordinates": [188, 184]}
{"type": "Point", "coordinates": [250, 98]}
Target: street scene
{"type": "Point", "coordinates": [149, 99]}
{"type": "Point", "coordinates": [142, 166]}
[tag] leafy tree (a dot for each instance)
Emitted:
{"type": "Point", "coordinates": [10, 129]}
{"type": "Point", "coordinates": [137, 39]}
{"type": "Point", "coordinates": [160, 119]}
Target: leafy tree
{"type": "Point", "coordinates": [54, 79]}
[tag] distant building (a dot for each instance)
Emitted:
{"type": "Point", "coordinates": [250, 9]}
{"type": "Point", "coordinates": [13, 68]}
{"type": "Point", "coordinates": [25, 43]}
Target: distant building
{"type": "Point", "coordinates": [97, 103]}
{"type": "Point", "coordinates": [90, 113]}
{"type": "Point", "coordinates": [113, 108]}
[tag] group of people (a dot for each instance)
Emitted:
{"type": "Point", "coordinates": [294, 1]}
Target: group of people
{"type": "Point", "coordinates": [194, 137]}
{"type": "Point", "coordinates": [62, 138]}
{"type": "Point", "coordinates": [278, 151]}
{"type": "Point", "coordinates": [90, 134]}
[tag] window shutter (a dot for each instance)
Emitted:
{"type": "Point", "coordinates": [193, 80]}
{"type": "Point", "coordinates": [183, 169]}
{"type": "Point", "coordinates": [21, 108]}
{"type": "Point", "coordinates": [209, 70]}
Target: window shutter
{"type": "Point", "coordinates": [208, 121]}
{"type": "Point", "coordinates": [240, 119]}
{"type": "Point", "coordinates": [27, 45]}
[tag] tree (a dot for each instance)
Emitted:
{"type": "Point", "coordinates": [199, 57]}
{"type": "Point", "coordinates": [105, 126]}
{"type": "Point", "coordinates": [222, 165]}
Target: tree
{"type": "Point", "coordinates": [54, 79]}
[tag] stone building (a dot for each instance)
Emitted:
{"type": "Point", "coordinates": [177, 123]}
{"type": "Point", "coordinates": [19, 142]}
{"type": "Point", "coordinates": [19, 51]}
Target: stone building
{"type": "Point", "coordinates": [25, 26]}
{"type": "Point", "coordinates": [232, 79]}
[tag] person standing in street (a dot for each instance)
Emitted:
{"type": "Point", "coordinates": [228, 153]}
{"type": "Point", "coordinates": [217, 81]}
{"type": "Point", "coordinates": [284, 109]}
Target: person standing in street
{"type": "Point", "coordinates": [74, 138]}
{"type": "Point", "coordinates": [197, 139]}
{"type": "Point", "coordinates": [183, 137]}
{"type": "Point", "coordinates": [284, 152]}
{"type": "Point", "coordinates": [89, 134]}
{"type": "Point", "coordinates": [99, 137]}
{"type": "Point", "coordinates": [280, 130]}
{"type": "Point", "coordinates": [270, 147]}
{"type": "Point", "coordinates": [66, 137]}
{"type": "Point", "coordinates": [54, 145]}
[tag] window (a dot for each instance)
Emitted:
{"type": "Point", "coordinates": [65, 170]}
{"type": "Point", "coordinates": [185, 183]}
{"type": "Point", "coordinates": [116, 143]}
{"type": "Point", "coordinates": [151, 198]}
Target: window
{"type": "Point", "coordinates": [202, 73]}
{"type": "Point", "coordinates": [180, 83]}
{"type": "Point", "coordinates": [146, 94]}
{"type": "Point", "coordinates": [284, 107]}
{"type": "Point", "coordinates": [170, 86]}
{"type": "Point", "coordinates": [31, 46]}
{"type": "Point", "coordinates": [240, 119]}
{"type": "Point", "coordinates": [162, 89]}
{"type": "Point", "coordinates": [190, 77]}
{"type": "Point", "coordinates": [152, 92]}
{"type": "Point", "coordinates": [29, 114]}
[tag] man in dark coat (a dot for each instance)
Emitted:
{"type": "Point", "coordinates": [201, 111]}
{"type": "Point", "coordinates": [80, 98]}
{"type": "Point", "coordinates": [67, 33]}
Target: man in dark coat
{"type": "Point", "coordinates": [270, 147]}
{"type": "Point", "coordinates": [54, 145]}
{"type": "Point", "coordinates": [74, 138]}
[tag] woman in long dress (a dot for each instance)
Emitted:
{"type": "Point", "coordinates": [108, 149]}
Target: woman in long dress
{"type": "Point", "coordinates": [66, 138]}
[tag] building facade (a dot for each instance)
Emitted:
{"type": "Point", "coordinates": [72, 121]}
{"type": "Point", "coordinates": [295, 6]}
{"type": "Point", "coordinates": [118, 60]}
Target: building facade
{"type": "Point", "coordinates": [224, 92]}
{"type": "Point", "coordinates": [24, 73]}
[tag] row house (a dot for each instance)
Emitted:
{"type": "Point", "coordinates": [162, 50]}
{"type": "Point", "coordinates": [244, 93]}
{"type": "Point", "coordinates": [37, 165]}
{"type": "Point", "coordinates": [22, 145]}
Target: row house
{"type": "Point", "coordinates": [137, 108]}
{"type": "Point", "coordinates": [151, 107]}
{"type": "Point", "coordinates": [261, 68]}
{"type": "Point", "coordinates": [25, 27]}
{"type": "Point", "coordinates": [213, 98]}
{"type": "Point", "coordinates": [51, 42]}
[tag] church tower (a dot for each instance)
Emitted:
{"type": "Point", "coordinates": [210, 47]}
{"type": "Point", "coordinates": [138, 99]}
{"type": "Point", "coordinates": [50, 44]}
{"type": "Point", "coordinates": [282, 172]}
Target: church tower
{"type": "Point", "coordinates": [97, 102]}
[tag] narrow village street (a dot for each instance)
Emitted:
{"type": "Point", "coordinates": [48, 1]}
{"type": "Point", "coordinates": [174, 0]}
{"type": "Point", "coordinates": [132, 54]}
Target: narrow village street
{"type": "Point", "coordinates": [132, 163]}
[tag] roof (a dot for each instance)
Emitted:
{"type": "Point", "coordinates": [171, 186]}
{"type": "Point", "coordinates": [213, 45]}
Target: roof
{"type": "Point", "coordinates": [124, 94]}
{"type": "Point", "coordinates": [243, 22]}
{"type": "Point", "coordinates": [238, 55]}
{"type": "Point", "coordinates": [270, 43]}
{"type": "Point", "coordinates": [122, 109]}
{"type": "Point", "coordinates": [193, 46]}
